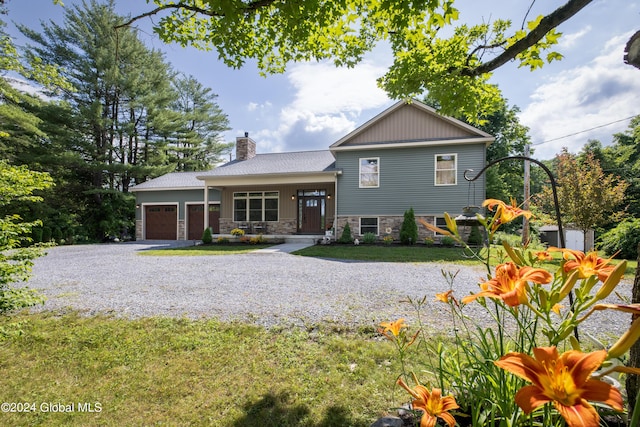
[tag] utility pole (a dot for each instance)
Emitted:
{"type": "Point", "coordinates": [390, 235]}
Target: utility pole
{"type": "Point", "coordinates": [527, 192]}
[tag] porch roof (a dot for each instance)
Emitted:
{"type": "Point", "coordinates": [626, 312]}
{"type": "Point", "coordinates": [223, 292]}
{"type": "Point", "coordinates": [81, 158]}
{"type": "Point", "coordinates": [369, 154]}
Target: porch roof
{"type": "Point", "coordinates": [275, 167]}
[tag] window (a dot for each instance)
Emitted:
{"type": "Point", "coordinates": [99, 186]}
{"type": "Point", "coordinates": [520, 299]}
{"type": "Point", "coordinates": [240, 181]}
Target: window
{"type": "Point", "coordinates": [255, 206]}
{"type": "Point", "coordinates": [441, 223]}
{"type": "Point", "coordinates": [370, 172]}
{"type": "Point", "coordinates": [368, 225]}
{"type": "Point", "coordinates": [446, 168]}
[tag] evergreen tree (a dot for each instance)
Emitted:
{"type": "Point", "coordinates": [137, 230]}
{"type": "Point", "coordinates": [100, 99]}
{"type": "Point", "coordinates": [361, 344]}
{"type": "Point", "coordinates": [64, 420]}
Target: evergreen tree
{"type": "Point", "coordinates": [409, 228]}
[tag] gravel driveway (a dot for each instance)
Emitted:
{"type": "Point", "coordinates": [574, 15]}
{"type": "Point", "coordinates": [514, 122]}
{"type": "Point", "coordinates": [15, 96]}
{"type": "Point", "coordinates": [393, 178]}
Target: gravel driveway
{"type": "Point", "coordinates": [265, 288]}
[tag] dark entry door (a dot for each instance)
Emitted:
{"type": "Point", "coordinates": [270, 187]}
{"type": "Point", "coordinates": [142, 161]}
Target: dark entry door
{"type": "Point", "coordinates": [311, 214]}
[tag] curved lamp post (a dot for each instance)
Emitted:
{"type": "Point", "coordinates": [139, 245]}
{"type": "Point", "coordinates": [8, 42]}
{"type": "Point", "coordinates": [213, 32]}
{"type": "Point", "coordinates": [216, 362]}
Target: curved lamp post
{"type": "Point", "coordinates": [555, 200]}
{"type": "Point", "coordinates": [553, 186]}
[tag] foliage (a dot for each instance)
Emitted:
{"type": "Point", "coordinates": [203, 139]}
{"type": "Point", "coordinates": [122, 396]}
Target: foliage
{"type": "Point", "coordinates": [409, 228]}
{"type": "Point", "coordinates": [475, 236]}
{"type": "Point", "coordinates": [168, 364]}
{"type": "Point", "coordinates": [447, 241]}
{"type": "Point", "coordinates": [346, 237]}
{"type": "Point", "coordinates": [17, 185]}
{"type": "Point", "coordinates": [429, 241]}
{"type": "Point", "coordinates": [588, 197]}
{"type": "Point", "coordinates": [531, 316]}
{"type": "Point", "coordinates": [257, 240]}
{"type": "Point", "coordinates": [388, 239]}
{"type": "Point", "coordinates": [207, 236]}
{"type": "Point", "coordinates": [432, 52]}
{"type": "Point", "coordinates": [369, 238]}
{"type": "Point", "coordinates": [623, 240]}
{"type": "Point", "coordinates": [222, 240]}
{"type": "Point", "coordinates": [125, 116]}
{"type": "Point", "coordinates": [237, 232]}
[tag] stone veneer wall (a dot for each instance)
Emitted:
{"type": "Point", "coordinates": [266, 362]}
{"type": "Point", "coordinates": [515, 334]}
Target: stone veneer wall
{"type": "Point", "coordinates": [138, 229]}
{"type": "Point", "coordinates": [286, 226]}
{"type": "Point", "coordinates": [181, 230]}
{"type": "Point", "coordinates": [386, 225]}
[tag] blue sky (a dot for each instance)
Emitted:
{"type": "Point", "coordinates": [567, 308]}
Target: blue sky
{"type": "Point", "coordinates": [313, 105]}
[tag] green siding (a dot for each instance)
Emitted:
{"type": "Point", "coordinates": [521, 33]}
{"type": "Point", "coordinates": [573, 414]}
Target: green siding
{"type": "Point", "coordinates": [407, 180]}
{"type": "Point", "coordinates": [174, 196]}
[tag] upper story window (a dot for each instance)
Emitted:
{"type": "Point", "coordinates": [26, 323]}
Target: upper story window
{"type": "Point", "coordinates": [446, 169]}
{"type": "Point", "coordinates": [370, 172]}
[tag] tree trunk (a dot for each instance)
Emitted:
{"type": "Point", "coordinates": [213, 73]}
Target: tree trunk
{"type": "Point", "coordinates": [633, 381]}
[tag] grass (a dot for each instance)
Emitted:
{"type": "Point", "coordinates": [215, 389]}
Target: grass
{"type": "Point", "coordinates": [422, 253]}
{"type": "Point", "coordinates": [161, 371]}
{"type": "Point", "coordinates": [217, 249]}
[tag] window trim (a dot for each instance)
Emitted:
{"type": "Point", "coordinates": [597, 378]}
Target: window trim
{"type": "Point", "coordinates": [377, 233]}
{"type": "Point", "coordinates": [377, 173]}
{"type": "Point", "coordinates": [247, 196]}
{"type": "Point", "coordinates": [436, 170]}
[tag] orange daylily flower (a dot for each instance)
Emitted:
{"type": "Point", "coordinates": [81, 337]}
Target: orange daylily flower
{"type": "Point", "coordinates": [543, 256]}
{"type": "Point", "coordinates": [392, 328]}
{"type": "Point", "coordinates": [587, 265]}
{"type": "Point", "coordinates": [432, 404]}
{"type": "Point", "coordinates": [564, 380]}
{"type": "Point", "coordinates": [504, 213]}
{"type": "Point", "coordinates": [510, 284]}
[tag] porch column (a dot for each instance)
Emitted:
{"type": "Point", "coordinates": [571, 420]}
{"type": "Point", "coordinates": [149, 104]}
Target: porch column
{"type": "Point", "coordinates": [206, 205]}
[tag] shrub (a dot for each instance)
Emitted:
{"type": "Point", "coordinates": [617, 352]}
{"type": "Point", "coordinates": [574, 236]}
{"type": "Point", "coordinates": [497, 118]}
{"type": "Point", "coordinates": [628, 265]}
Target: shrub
{"type": "Point", "coordinates": [409, 228]}
{"type": "Point", "coordinates": [345, 237]}
{"type": "Point", "coordinates": [625, 238]}
{"type": "Point", "coordinates": [207, 237]}
{"type": "Point", "coordinates": [257, 239]}
{"type": "Point", "coordinates": [369, 238]}
{"type": "Point", "coordinates": [388, 239]}
{"type": "Point", "coordinates": [245, 239]}
{"type": "Point", "coordinates": [46, 234]}
{"type": "Point", "coordinates": [447, 241]}
{"type": "Point", "coordinates": [429, 241]}
{"type": "Point", "coordinates": [222, 240]}
{"type": "Point", "coordinates": [475, 237]}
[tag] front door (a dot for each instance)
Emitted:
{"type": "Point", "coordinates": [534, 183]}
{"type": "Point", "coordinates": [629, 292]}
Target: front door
{"type": "Point", "coordinates": [311, 206]}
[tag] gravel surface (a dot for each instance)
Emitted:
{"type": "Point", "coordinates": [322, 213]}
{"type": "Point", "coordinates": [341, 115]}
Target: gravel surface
{"type": "Point", "coordinates": [265, 288]}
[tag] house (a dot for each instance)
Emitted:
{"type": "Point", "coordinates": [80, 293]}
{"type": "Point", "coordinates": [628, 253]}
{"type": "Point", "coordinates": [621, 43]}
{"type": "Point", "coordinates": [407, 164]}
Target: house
{"type": "Point", "coordinates": [408, 156]}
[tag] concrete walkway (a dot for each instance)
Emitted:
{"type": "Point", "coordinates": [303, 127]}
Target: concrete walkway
{"type": "Point", "coordinates": [284, 248]}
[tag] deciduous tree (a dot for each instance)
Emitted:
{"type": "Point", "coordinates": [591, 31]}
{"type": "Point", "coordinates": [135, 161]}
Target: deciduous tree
{"type": "Point", "coordinates": [431, 51]}
{"type": "Point", "coordinates": [588, 197]}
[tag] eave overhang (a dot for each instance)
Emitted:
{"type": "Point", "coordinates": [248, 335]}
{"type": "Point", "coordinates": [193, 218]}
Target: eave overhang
{"type": "Point", "coordinates": [270, 178]}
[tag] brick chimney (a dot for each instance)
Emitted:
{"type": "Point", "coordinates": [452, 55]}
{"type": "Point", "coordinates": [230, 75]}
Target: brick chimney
{"type": "Point", "coordinates": [245, 147]}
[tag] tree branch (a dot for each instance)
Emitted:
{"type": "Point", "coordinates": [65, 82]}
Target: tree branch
{"type": "Point", "coordinates": [547, 24]}
{"type": "Point", "coordinates": [251, 7]}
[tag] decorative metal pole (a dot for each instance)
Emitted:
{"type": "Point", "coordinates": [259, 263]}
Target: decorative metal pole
{"type": "Point", "coordinates": [555, 200]}
{"type": "Point", "coordinates": [553, 187]}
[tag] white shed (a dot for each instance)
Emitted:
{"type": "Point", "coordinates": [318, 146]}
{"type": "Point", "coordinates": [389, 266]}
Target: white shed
{"type": "Point", "coordinates": [574, 238]}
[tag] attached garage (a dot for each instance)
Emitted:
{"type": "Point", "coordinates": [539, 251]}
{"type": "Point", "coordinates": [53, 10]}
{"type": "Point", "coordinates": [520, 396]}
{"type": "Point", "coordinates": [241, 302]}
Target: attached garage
{"type": "Point", "coordinates": [171, 207]}
{"type": "Point", "coordinates": [161, 222]}
{"type": "Point", "coordinates": [195, 220]}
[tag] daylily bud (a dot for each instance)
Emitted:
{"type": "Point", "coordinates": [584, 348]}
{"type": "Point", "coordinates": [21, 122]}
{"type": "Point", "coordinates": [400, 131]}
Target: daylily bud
{"type": "Point", "coordinates": [625, 342]}
{"type": "Point", "coordinates": [568, 285]}
{"type": "Point", "coordinates": [612, 281]}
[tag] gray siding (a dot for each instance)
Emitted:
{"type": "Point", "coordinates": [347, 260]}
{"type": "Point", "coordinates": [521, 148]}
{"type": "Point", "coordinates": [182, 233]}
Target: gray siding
{"type": "Point", "coordinates": [174, 196]}
{"type": "Point", "coordinates": [407, 180]}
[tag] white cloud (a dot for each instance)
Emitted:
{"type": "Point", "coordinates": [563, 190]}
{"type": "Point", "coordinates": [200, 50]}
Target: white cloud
{"type": "Point", "coordinates": [582, 98]}
{"type": "Point", "coordinates": [569, 40]}
{"type": "Point", "coordinates": [328, 102]}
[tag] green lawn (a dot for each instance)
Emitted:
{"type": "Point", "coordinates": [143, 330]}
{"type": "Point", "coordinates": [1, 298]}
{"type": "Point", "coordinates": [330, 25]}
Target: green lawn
{"type": "Point", "coordinates": [175, 372]}
{"type": "Point", "coordinates": [216, 249]}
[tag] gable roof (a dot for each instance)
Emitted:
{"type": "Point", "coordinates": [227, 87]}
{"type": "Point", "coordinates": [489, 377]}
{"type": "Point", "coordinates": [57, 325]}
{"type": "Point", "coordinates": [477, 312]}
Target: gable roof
{"type": "Point", "coordinates": [171, 181]}
{"type": "Point", "coordinates": [410, 123]}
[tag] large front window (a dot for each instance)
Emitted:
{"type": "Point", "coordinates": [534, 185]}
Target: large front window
{"type": "Point", "coordinates": [446, 169]}
{"type": "Point", "coordinates": [255, 206]}
{"type": "Point", "coordinates": [370, 172]}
